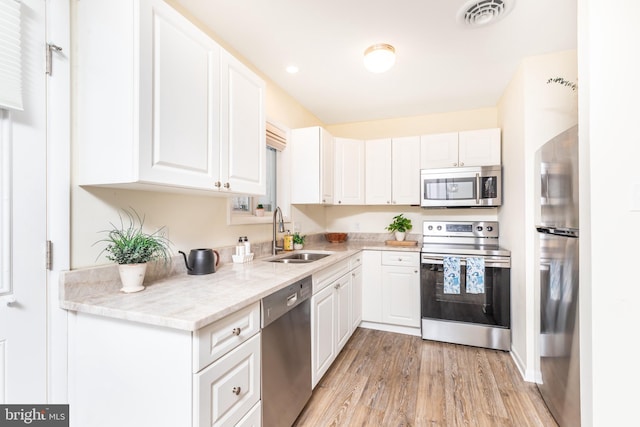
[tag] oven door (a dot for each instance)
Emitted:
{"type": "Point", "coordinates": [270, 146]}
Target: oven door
{"type": "Point", "coordinates": [489, 307]}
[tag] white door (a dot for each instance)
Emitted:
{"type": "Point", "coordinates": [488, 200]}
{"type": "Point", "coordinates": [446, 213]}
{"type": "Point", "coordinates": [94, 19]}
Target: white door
{"type": "Point", "coordinates": [23, 339]}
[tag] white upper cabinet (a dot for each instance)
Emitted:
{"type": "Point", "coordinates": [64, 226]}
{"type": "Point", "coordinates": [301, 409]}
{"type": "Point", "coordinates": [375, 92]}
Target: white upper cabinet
{"type": "Point", "coordinates": [312, 171]}
{"type": "Point", "coordinates": [457, 149]}
{"type": "Point", "coordinates": [160, 106]}
{"type": "Point", "coordinates": [242, 145]}
{"type": "Point", "coordinates": [392, 171]}
{"type": "Point", "coordinates": [349, 172]}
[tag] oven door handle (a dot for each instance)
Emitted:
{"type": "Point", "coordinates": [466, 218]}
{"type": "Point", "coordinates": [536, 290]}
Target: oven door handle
{"type": "Point", "coordinates": [493, 262]}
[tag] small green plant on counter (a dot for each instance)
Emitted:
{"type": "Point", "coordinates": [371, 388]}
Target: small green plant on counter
{"type": "Point", "coordinates": [298, 239]}
{"type": "Point", "coordinates": [400, 223]}
{"type": "Point", "coordinates": [128, 244]}
{"type": "Point", "coordinates": [259, 206]}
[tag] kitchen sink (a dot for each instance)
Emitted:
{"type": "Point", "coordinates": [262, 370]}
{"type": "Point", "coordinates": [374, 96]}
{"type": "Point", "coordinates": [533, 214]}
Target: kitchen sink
{"type": "Point", "coordinates": [300, 258]}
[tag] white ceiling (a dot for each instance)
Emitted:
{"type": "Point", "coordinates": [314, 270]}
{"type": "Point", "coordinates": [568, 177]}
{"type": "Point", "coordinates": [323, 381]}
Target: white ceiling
{"type": "Point", "coordinates": [441, 65]}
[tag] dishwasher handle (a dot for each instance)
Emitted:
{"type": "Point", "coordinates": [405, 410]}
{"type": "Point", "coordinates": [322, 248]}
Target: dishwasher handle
{"type": "Point", "coordinates": [284, 300]}
{"type": "Point", "coordinates": [292, 300]}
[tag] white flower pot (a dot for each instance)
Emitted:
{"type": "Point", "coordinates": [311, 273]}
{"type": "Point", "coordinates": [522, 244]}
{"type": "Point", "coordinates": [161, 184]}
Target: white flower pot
{"type": "Point", "coordinates": [400, 235]}
{"type": "Point", "coordinates": [132, 276]}
{"type": "Point", "coordinates": [298, 246]}
{"type": "Point", "coordinates": [259, 212]}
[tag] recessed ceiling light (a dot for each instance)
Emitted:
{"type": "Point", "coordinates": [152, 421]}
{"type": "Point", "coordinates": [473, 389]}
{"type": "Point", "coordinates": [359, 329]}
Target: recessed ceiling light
{"type": "Point", "coordinates": [379, 57]}
{"type": "Point", "coordinates": [292, 69]}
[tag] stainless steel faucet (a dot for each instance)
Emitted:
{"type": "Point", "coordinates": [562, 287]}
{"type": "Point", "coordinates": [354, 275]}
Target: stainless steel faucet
{"type": "Point", "coordinates": [277, 213]}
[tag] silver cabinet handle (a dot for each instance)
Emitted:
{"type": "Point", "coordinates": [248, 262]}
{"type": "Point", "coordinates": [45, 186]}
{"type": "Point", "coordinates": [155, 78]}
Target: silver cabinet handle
{"type": "Point", "coordinates": [236, 390]}
{"type": "Point", "coordinates": [217, 184]}
{"type": "Point", "coordinates": [236, 331]}
{"type": "Point", "coordinates": [455, 164]}
{"type": "Point", "coordinates": [461, 163]}
{"type": "Point", "coordinates": [227, 185]}
{"type": "Point", "coordinates": [337, 286]}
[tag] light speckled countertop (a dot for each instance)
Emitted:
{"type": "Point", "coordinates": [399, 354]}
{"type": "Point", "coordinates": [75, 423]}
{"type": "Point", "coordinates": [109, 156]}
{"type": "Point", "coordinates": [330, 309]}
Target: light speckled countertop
{"type": "Point", "coordinates": [186, 302]}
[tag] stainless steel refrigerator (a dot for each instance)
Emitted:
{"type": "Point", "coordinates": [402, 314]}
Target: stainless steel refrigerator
{"type": "Point", "coordinates": [558, 228]}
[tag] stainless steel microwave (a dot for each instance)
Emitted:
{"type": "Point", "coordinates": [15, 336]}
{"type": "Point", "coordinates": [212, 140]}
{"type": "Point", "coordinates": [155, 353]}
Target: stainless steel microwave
{"type": "Point", "coordinates": [465, 187]}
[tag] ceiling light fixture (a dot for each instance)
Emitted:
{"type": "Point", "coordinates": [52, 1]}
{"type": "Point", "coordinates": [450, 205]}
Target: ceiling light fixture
{"type": "Point", "coordinates": [379, 57]}
{"type": "Point", "coordinates": [292, 69]}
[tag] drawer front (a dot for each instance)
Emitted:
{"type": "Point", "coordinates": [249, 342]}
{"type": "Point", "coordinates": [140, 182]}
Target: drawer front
{"type": "Point", "coordinates": [324, 277]}
{"type": "Point", "coordinates": [230, 387]}
{"type": "Point", "coordinates": [409, 259]}
{"type": "Point", "coordinates": [253, 418]}
{"type": "Point", "coordinates": [355, 261]}
{"type": "Point", "coordinates": [217, 339]}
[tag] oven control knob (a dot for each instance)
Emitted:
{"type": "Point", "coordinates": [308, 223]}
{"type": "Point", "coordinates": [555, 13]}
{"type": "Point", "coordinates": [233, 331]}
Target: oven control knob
{"type": "Point", "coordinates": [439, 227]}
{"type": "Point", "coordinates": [489, 228]}
{"type": "Point", "coordinates": [479, 228]}
{"type": "Point", "coordinates": [430, 227]}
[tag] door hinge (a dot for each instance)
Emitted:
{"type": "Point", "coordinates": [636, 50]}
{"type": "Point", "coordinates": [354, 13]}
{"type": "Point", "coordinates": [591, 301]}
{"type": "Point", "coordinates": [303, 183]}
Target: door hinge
{"type": "Point", "coordinates": [50, 48]}
{"type": "Point", "coordinates": [48, 255]}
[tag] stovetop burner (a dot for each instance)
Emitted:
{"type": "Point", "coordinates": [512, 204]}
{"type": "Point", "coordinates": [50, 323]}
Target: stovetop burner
{"type": "Point", "coordinates": [462, 238]}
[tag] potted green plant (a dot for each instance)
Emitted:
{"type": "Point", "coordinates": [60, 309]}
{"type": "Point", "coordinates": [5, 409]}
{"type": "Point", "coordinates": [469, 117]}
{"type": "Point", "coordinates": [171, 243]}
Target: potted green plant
{"type": "Point", "coordinates": [400, 225]}
{"type": "Point", "coordinates": [259, 210]}
{"type": "Point", "coordinates": [131, 248]}
{"type": "Point", "coordinates": [298, 241]}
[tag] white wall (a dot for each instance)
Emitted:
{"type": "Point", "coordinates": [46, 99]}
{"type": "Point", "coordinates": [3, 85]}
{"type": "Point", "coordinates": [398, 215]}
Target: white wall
{"type": "Point", "coordinates": [609, 65]}
{"type": "Point", "coordinates": [530, 113]}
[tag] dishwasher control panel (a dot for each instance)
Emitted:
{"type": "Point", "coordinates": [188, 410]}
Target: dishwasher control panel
{"type": "Point", "coordinates": [280, 302]}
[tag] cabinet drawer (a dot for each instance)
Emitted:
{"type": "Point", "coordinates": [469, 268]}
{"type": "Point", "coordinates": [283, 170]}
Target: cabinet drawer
{"type": "Point", "coordinates": [410, 259]}
{"type": "Point", "coordinates": [216, 339]}
{"type": "Point", "coordinates": [253, 418]}
{"type": "Point", "coordinates": [324, 277]}
{"type": "Point", "coordinates": [229, 388]}
{"type": "Point", "coordinates": [355, 261]}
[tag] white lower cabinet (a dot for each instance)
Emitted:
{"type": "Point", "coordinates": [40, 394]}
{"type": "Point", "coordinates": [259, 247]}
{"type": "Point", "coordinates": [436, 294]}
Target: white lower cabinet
{"type": "Point", "coordinates": [130, 374]}
{"type": "Point", "coordinates": [227, 389]}
{"type": "Point", "coordinates": [401, 288]}
{"type": "Point", "coordinates": [332, 313]}
{"type": "Point", "coordinates": [391, 289]}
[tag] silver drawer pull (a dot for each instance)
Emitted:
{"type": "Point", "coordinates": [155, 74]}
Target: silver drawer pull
{"type": "Point", "coordinates": [236, 331]}
{"type": "Point", "coordinates": [236, 390]}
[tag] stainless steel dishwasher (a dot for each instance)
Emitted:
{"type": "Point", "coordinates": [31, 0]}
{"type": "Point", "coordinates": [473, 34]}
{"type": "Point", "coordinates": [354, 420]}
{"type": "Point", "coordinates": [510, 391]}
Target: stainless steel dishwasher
{"type": "Point", "coordinates": [286, 353]}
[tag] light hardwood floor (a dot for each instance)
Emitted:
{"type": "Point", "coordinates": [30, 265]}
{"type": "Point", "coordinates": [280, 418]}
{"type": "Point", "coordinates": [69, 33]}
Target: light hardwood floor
{"type": "Point", "coordinates": [386, 379]}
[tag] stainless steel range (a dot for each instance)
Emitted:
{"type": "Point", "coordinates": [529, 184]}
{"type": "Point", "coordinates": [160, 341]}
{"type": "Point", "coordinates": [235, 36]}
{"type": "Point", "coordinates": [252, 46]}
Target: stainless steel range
{"type": "Point", "coordinates": [465, 284]}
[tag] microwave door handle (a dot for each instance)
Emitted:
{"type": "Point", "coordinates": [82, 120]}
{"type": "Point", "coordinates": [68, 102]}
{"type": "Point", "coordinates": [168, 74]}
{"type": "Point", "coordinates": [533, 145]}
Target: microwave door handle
{"type": "Point", "coordinates": [478, 188]}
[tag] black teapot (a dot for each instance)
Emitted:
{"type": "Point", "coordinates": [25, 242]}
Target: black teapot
{"type": "Point", "coordinates": [201, 261]}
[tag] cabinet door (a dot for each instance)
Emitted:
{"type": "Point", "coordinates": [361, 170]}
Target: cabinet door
{"type": "Point", "coordinates": [349, 172]}
{"type": "Point", "coordinates": [401, 295]}
{"type": "Point", "coordinates": [372, 286]}
{"type": "Point", "coordinates": [326, 166]}
{"type": "Point", "coordinates": [243, 141]}
{"type": "Point", "coordinates": [343, 300]}
{"type": "Point", "coordinates": [226, 390]}
{"type": "Point", "coordinates": [323, 326]}
{"type": "Point", "coordinates": [439, 150]}
{"type": "Point", "coordinates": [183, 71]}
{"type": "Point", "coordinates": [479, 147]}
{"type": "Point", "coordinates": [356, 297]}
{"type": "Point", "coordinates": [378, 172]}
{"type": "Point", "coordinates": [305, 165]}
{"type": "Point", "coordinates": [405, 167]}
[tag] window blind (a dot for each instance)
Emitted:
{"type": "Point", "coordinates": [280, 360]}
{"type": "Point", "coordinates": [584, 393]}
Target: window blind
{"type": "Point", "coordinates": [10, 58]}
{"type": "Point", "coordinates": [276, 137]}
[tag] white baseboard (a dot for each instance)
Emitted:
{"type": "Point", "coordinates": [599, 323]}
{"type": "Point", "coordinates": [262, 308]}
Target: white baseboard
{"type": "Point", "coordinates": [529, 375]}
{"type": "Point", "coordinates": [407, 330]}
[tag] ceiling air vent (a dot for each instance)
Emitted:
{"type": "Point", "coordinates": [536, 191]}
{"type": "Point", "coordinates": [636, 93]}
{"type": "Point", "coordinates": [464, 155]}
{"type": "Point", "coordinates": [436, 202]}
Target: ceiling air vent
{"type": "Point", "coordinates": [479, 13]}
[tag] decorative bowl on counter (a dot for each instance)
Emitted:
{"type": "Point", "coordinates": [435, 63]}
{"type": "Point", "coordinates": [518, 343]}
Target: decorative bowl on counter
{"type": "Point", "coordinates": [335, 237]}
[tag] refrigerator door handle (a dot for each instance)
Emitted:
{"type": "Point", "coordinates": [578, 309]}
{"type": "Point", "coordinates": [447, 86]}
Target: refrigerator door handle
{"type": "Point", "coordinates": [558, 231]}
